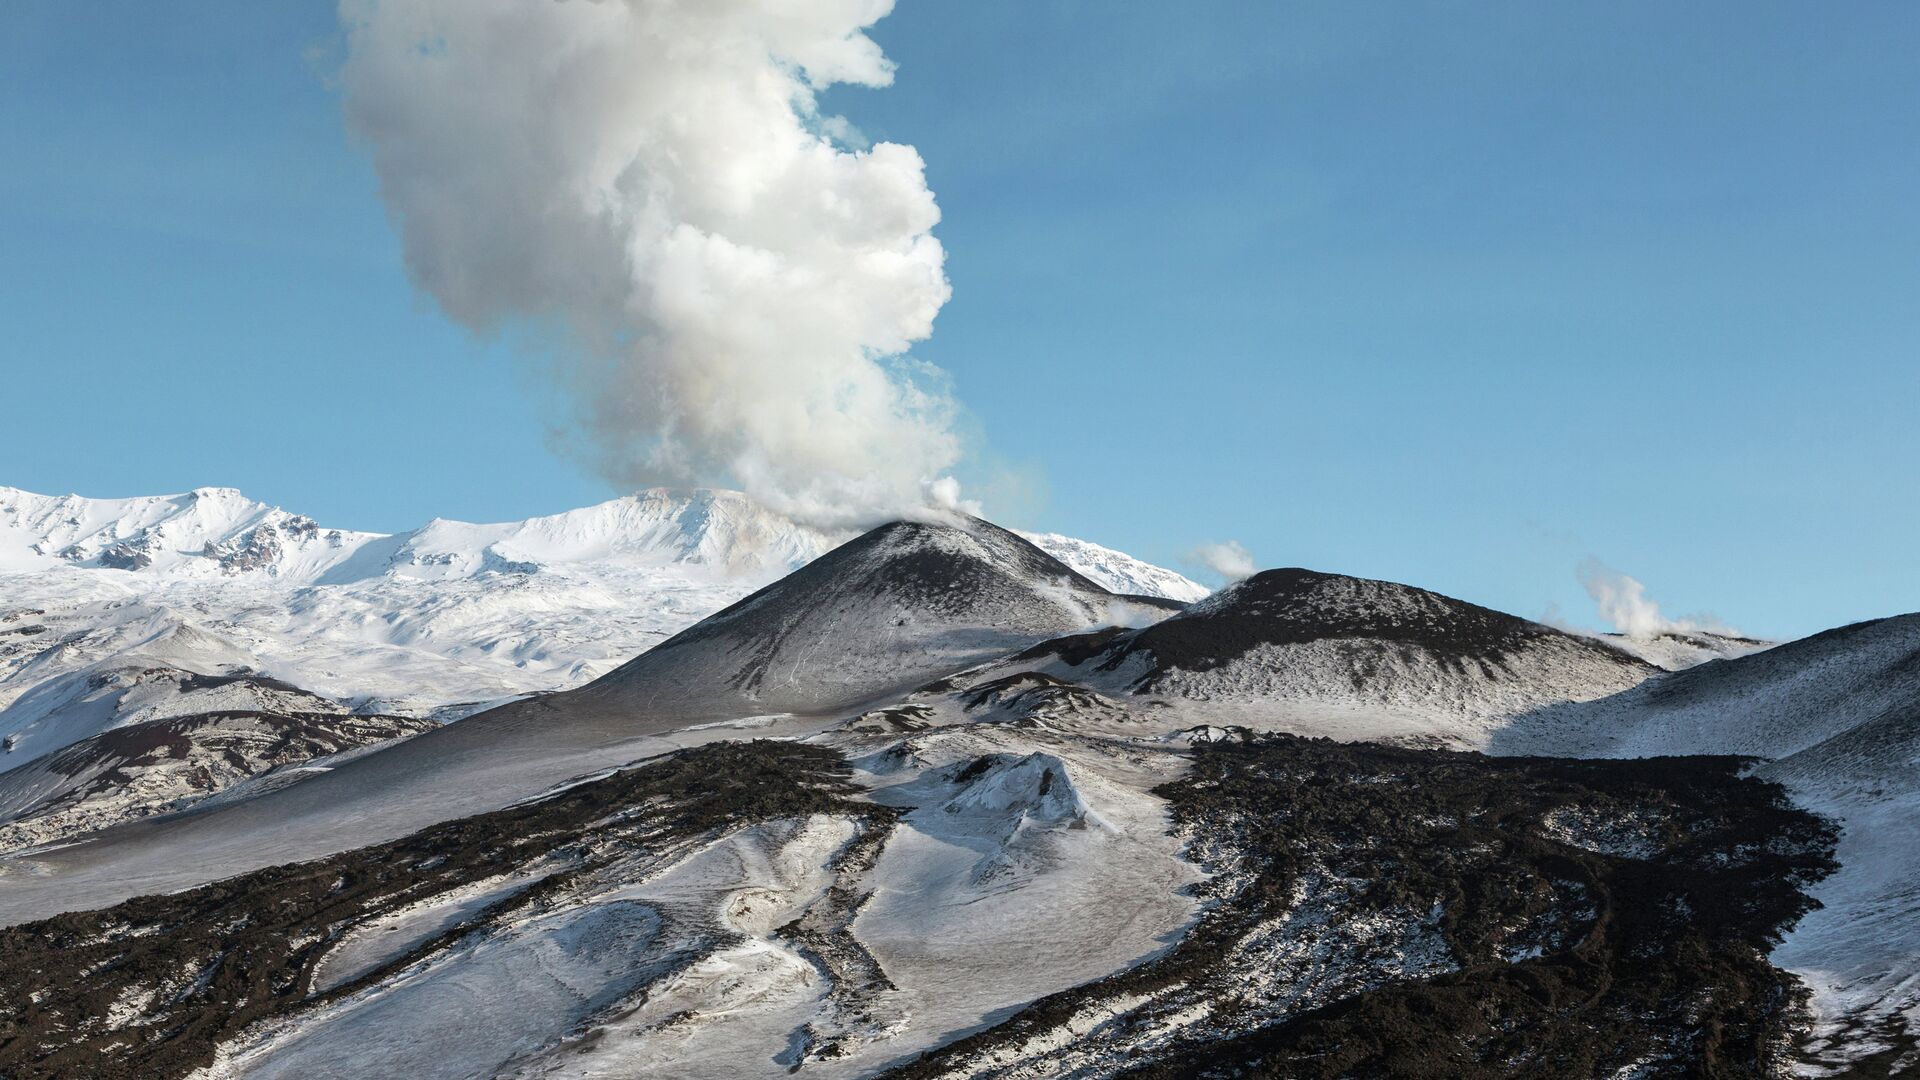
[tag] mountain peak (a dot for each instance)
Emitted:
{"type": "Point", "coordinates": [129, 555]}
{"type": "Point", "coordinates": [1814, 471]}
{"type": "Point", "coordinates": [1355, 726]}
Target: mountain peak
{"type": "Point", "coordinates": [1420, 664]}
{"type": "Point", "coordinates": [219, 532]}
{"type": "Point", "coordinates": [1294, 605]}
{"type": "Point", "coordinates": [899, 604]}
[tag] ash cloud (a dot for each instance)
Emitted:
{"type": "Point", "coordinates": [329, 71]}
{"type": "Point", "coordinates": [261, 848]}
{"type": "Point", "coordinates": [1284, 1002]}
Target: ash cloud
{"type": "Point", "coordinates": [735, 278]}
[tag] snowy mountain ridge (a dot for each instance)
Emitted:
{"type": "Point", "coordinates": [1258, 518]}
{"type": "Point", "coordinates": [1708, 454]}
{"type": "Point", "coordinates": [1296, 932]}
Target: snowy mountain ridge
{"type": "Point", "coordinates": [207, 530]}
{"type": "Point", "coordinates": [451, 615]}
{"type": "Point", "coordinates": [211, 532]}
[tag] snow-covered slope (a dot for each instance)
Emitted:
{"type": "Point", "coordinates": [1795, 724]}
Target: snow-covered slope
{"type": "Point", "coordinates": [1768, 704]}
{"type": "Point", "coordinates": [176, 670]}
{"type": "Point", "coordinates": [204, 532]}
{"type": "Point", "coordinates": [213, 532]}
{"type": "Point", "coordinates": [904, 604]}
{"type": "Point", "coordinates": [947, 796]}
{"type": "Point", "coordinates": [1117, 571]}
{"type": "Point", "coordinates": [1003, 833]}
{"type": "Point", "coordinates": [444, 618]}
{"type": "Point", "coordinates": [720, 532]}
{"type": "Point", "coordinates": [1016, 903]}
{"type": "Point", "coordinates": [1860, 951]}
{"type": "Point", "coordinates": [447, 614]}
{"type": "Point", "coordinates": [1677, 651]}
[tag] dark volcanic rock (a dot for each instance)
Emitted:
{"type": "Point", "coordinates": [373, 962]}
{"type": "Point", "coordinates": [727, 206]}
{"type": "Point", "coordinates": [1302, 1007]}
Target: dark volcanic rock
{"type": "Point", "coordinates": [127, 555]}
{"type": "Point", "coordinates": [1380, 912]}
{"type": "Point", "coordinates": [1296, 607]}
{"type": "Point", "coordinates": [201, 965]}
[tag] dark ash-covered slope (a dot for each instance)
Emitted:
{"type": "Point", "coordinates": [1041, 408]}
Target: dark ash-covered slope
{"type": "Point", "coordinates": [163, 765]}
{"type": "Point", "coordinates": [1294, 606]}
{"type": "Point", "coordinates": [1299, 636]}
{"type": "Point", "coordinates": [887, 611]}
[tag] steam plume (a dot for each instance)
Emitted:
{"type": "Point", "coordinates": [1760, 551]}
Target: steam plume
{"type": "Point", "coordinates": [1624, 603]}
{"type": "Point", "coordinates": [736, 281]}
{"type": "Point", "coordinates": [1227, 558]}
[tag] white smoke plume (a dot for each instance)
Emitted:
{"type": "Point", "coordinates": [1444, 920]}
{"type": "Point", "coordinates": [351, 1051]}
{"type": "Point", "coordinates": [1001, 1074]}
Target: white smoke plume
{"type": "Point", "coordinates": [735, 282]}
{"type": "Point", "coordinates": [1227, 558]}
{"type": "Point", "coordinates": [1624, 603]}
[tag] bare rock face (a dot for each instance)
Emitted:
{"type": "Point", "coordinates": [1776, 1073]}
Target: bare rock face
{"type": "Point", "coordinates": [256, 549]}
{"type": "Point", "coordinates": [136, 554]}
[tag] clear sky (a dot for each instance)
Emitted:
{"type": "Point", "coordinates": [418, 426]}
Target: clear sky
{"type": "Point", "coordinates": [1454, 294]}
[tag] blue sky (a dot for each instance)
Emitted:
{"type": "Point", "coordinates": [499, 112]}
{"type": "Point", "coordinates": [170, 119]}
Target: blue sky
{"type": "Point", "coordinates": [1454, 294]}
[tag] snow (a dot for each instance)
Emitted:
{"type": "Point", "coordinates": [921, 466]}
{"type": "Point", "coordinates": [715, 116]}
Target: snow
{"type": "Point", "coordinates": [1769, 704]}
{"type": "Point", "coordinates": [698, 936]}
{"type": "Point", "coordinates": [734, 1011]}
{"type": "Point", "coordinates": [1035, 789]}
{"type": "Point", "coordinates": [459, 1016]}
{"type": "Point", "coordinates": [447, 614]}
{"type": "Point", "coordinates": [190, 534]}
{"type": "Point", "coordinates": [992, 894]}
{"type": "Point", "coordinates": [1675, 651]}
{"type": "Point", "coordinates": [1117, 571]}
{"type": "Point", "coordinates": [450, 772]}
{"type": "Point", "coordinates": [430, 621]}
{"type": "Point", "coordinates": [151, 678]}
{"type": "Point", "coordinates": [1859, 952]}
{"type": "Point", "coordinates": [1349, 658]}
{"type": "Point", "coordinates": [988, 895]}
{"type": "Point", "coordinates": [377, 942]}
{"type": "Point", "coordinates": [159, 766]}
{"type": "Point", "coordinates": [1031, 863]}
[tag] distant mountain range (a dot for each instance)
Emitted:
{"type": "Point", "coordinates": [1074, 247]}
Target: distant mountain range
{"type": "Point", "coordinates": [434, 621]}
